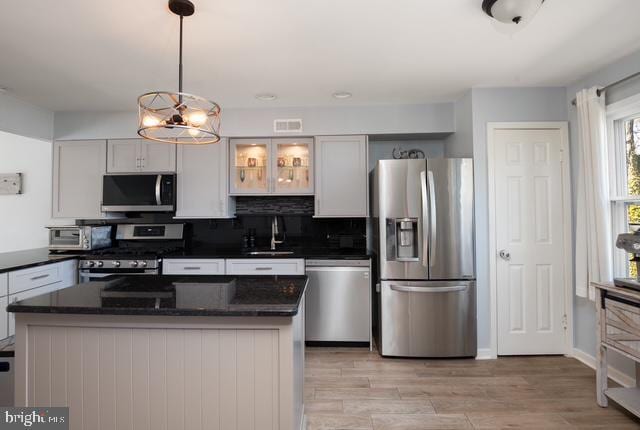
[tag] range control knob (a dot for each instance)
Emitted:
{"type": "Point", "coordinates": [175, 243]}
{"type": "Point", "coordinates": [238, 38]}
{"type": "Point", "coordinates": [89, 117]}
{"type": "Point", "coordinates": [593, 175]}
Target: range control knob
{"type": "Point", "coordinates": [143, 263]}
{"type": "Point", "coordinates": [90, 263]}
{"type": "Point", "coordinates": [133, 264]}
{"type": "Point", "coordinates": [99, 263]}
{"type": "Point", "coordinates": [116, 263]}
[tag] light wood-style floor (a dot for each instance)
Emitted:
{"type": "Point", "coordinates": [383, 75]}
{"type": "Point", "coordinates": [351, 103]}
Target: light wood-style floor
{"type": "Point", "coordinates": [356, 389]}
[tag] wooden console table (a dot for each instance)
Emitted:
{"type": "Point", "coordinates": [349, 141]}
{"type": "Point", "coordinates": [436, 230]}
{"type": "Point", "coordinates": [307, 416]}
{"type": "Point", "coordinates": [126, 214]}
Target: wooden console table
{"type": "Point", "coordinates": [618, 329]}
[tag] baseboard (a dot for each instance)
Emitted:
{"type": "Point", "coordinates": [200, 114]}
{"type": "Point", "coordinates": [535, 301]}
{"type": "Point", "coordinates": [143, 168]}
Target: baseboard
{"type": "Point", "coordinates": [484, 354]}
{"type": "Point", "coordinates": [615, 374]}
{"type": "Point", "coordinates": [303, 420]}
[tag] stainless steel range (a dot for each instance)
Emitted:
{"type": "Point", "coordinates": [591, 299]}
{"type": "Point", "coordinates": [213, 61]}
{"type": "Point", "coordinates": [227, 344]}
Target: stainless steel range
{"type": "Point", "coordinates": [139, 251]}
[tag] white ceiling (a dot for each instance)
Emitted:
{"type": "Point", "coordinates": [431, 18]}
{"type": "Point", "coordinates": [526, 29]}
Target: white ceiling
{"type": "Point", "coordinates": [69, 55]}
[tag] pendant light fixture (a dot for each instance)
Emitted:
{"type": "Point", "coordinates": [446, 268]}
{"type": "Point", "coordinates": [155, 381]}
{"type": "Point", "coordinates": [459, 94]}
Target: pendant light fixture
{"type": "Point", "coordinates": [178, 117]}
{"type": "Point", "coordinates": [511, 11]}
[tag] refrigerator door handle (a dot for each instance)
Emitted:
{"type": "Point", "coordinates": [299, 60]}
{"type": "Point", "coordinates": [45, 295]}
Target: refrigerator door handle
{"type": "Point", "coordinates": [432, 218]}
{"type": "Point", "coordinates": [409, 289]}
{"type": "Point", "coordinates": [425, 219]}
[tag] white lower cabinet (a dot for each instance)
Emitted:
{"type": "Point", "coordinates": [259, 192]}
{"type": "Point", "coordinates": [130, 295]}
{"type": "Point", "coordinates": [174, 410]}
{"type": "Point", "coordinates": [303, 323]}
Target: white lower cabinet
{"type": "Point", "coordinates": [4, 301]}
{"type": "Point", "coordinates": [202, 182]}
{"type": "Point", "coordinates": [193, 266]}
{"type": "Point", "coordinates": [34, 277]}
{"type": "Point", "coordinates": [26, 283]}
{"type": "Point", "coordinates": [4, 317]}
{"type": "Point", "coordinates": [270, 266]}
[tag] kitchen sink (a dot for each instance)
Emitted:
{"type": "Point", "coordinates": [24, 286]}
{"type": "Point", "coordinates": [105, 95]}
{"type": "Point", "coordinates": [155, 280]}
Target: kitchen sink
{"type": "Point", "coordinates": [270, 252]}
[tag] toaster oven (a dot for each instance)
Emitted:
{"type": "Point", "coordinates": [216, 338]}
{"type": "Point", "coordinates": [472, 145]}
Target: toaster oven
{"type": "Point", "coordinates": [79, 237]}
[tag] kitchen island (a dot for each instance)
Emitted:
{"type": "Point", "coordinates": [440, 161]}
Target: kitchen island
{"type": "Point", "coordinates": [166, 352]}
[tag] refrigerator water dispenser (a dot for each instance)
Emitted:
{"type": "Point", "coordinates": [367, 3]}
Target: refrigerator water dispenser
{"type": "Point", "coordinates": [402, 239]}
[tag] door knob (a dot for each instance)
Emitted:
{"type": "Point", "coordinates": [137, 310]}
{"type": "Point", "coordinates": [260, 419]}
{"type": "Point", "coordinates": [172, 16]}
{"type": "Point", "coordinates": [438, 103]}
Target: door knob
{"type": "Point", "coordinates": [504, 254]}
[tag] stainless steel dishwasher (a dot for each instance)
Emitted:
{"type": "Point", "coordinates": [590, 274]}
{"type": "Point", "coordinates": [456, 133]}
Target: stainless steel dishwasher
{"type": "Point", "coordinates": [338, 303]}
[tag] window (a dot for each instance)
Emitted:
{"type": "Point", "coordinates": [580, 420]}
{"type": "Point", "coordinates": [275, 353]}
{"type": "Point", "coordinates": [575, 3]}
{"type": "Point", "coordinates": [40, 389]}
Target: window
{"type": "Point", "coordinates": [624, 143]}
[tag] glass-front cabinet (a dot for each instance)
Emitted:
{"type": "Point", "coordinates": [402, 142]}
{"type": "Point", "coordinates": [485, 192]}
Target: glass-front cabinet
{"type": "Point", "coordinates": [271, 166]}
{"type": "Point", "coordinates": [250, 166]}
{"type": "Point", "coordinates": [293, 162]}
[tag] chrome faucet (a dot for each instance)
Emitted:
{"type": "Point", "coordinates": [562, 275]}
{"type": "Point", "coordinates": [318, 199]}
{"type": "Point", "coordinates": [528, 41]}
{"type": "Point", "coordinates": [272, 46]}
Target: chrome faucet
{"type": "Point", "coordinates": [274, 233]}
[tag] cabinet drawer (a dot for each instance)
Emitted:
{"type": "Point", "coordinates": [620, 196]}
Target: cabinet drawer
{"type": "Point", "coordinates": [622, 326]}
{"type": "Point", "coordinates": [250, 266]}
{"type": "Point", "coordinates": [35, 277]}
{"type": "Point", "coordinates": [181, 266]}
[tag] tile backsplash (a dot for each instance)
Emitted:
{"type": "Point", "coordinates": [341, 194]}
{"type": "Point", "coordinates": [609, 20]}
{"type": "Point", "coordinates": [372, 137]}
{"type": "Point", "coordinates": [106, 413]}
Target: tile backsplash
{"type": "Point", "coordinates": [275, 205]}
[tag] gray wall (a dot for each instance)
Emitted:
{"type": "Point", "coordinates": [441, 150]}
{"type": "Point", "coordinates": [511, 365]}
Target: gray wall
{"type": "Point", "coordinates": [460, 144]}
{"type": "Point", "coordinates": [584, 310]}
{"type": "Point", "coordinates": [497, 105]}
{"type": "Point", "coordinates": [383, 150]}
{"type": "Point", "coordinates": [24, 119]}
{"type": "Point", "coordinates": [382, 119]}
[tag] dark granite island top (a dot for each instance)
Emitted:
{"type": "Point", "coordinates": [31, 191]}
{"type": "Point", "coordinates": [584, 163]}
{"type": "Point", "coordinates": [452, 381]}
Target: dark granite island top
{"type": "Point", "coordinates": [174, 296]}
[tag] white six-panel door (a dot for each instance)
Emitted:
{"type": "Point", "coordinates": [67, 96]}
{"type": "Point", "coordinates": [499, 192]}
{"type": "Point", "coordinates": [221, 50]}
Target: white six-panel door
{"type": "Point", "coordinates": [529, 237]}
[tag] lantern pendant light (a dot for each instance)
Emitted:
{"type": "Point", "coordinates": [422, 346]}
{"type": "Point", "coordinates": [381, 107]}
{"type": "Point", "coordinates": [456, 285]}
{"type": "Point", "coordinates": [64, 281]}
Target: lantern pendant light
{"type": "Point", "coordinates": [178, 117]}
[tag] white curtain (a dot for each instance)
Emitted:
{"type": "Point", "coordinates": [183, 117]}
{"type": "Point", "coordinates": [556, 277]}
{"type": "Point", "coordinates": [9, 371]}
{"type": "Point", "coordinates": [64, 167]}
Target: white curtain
{"type": "Point", "coordinates": [593, 242]}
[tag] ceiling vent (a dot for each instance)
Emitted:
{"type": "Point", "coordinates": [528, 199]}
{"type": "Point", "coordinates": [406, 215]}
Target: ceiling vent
{"type": "Point", "coordinates": [287, 126]}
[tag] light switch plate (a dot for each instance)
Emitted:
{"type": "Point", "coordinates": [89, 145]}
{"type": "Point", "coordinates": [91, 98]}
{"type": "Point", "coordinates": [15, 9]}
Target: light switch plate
{"type": "Point", "coordinates": [10, 183]}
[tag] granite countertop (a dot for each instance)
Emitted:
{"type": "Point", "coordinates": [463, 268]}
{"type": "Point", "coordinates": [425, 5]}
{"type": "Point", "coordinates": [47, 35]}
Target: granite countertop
{"type": "Point", "coordinates": [174, 296]}
{"type": "Point", "coordinates": [10, 261]}
{"type": "Point", "coordinates": [297, 252]}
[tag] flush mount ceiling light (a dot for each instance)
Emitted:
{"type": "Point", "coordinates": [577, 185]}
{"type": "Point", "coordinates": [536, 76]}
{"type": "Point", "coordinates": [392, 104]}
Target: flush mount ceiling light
{"type": "Point", "coordinates": [267, 97]}
{"type": "Point", "coordinates": [178, 117]}
{"type": "Point", "coordinates": [511, 11]}
{"type": "Point", "coordinates": [342, 95]}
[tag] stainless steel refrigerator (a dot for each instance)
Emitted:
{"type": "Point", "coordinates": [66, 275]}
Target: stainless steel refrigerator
{"type": "Point", "coordinates": [424, 241]}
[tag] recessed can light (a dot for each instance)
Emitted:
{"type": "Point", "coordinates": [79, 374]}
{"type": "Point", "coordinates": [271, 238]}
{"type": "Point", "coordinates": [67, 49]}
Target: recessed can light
{"type": "Point", "coordinates": [267, 97]}
{"type": "Point", "coordinates": [342, 95]}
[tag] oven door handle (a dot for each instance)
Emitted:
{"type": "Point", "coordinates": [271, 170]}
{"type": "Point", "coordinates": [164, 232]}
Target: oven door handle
{"type": "Point", "coordinates": [93, 275]}
{"type": "Point", "coordinates": [104, 275]}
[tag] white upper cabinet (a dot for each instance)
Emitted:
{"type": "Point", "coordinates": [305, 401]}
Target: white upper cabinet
{"type": "Point", "coordinates": [292, 166]}
{"type": "Point", "coordinates": [341, 176]}
{"type": "Point", "coordinates": [78, 167]}
{"type": "Point", "coordinates": [123, 156]}
{"type": "Point", "coordinates": [271, 166]}
{"type": "Point", "coordinates": [202, 182]}
{"type": "Point", "coordinates": [157, 157]}
{"type": "Point", "coordinates": [250, 166]}
{"type": "Point", "coordinates": [140, 155]}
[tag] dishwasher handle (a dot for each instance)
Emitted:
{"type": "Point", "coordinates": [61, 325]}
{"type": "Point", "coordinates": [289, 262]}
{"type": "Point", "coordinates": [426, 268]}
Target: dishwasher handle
{"type": "Point", "coordinates": [336, 269]}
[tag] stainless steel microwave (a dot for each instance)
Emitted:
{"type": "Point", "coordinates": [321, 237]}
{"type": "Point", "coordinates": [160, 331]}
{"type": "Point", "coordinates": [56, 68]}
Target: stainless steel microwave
{"type": "Point", "coordinates": [79, 237]}
{"type": "Point", "coordinates": [139, 193]}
